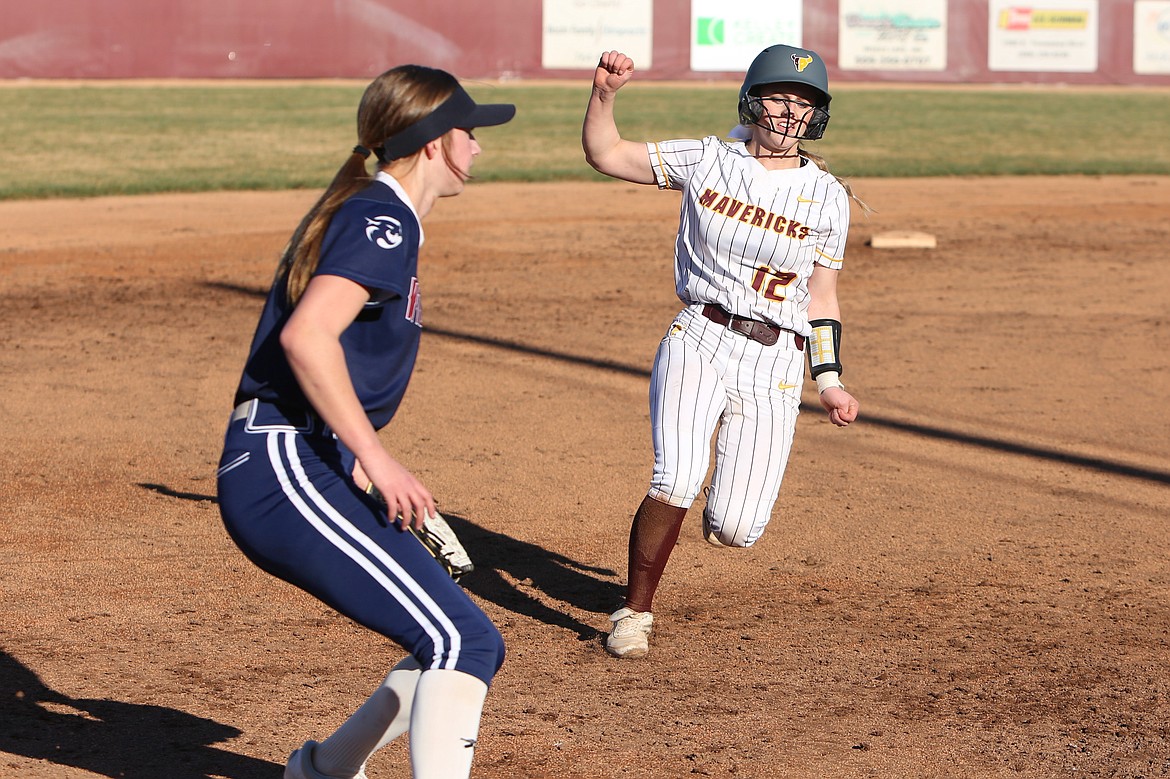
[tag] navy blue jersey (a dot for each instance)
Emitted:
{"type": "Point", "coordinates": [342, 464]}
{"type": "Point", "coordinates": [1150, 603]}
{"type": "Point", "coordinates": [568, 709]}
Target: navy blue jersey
{"type": "Point", "coordinates": [373, 240]}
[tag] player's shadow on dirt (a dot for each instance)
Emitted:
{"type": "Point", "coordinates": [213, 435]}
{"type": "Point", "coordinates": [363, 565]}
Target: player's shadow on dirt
{"type": "Point", "coordinates": [534, 569]}
{"type": "Point", "coordinates": [539, 575]}
{"type": "Point", "coordinates": [112, 738]}
{"type": "Point", "coordinates": [1102, 465]}
{"type": "Point", "coordinates": [162, 489]}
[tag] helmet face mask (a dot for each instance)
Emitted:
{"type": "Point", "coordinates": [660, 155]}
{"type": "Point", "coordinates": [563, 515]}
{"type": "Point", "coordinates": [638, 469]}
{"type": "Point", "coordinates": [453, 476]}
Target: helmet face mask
{"type": "Point", "coordinates": [785, 116]}
{"type": "Point", "coordinates": [786, 65]}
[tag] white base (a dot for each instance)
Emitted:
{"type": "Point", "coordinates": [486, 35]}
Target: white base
{"type": "Point", "coordinates": [903, 239]}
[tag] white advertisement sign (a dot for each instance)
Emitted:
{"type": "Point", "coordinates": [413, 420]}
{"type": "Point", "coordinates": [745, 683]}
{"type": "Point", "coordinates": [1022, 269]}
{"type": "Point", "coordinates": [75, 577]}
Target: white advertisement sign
{"type": "Point", "coordinates": [576, 32]}
{"type": "Point", "coordinates": [1052, 36]}
{"type": "Point", "coordinates": [728, 36]}
{"type": "Point", "coordinates": [1151, 37]}
{"type": "Point", "coordinates": [892, 34]}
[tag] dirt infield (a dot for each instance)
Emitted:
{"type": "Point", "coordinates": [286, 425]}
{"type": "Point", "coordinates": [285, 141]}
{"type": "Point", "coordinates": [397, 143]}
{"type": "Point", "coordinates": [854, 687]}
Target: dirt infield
{"type": "Point", "coordinates": [972, 581]}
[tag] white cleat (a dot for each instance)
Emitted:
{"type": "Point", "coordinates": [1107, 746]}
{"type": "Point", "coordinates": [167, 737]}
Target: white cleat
{"type": "Point", "coordinates": [709, 534]}
{"type": "Point", "coordinates": [630, 634]}
{"type": "Point", "coordinates": [300, 765]}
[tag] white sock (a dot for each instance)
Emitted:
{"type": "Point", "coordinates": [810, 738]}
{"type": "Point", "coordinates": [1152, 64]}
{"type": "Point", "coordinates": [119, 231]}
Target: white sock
{"type": "Point", "coordinates": [382, 718]}
{"type": "Point", "coordinates": [445, 724]}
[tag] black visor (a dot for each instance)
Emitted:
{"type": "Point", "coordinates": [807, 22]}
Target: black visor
{"type": "Point", "coordinates": [459, 110]}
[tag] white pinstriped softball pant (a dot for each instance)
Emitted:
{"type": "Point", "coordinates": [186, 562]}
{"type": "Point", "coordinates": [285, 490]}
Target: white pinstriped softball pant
{"type": "Point", "coordinates": [706, 376]}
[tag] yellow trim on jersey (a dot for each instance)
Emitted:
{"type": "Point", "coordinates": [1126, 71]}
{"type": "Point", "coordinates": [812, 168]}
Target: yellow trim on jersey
{"type": "Point", "coordinates": [665, 178]}
{"type": "Point", "coordinates": [827, 256]}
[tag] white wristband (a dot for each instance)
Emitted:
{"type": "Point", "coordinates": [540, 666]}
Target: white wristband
{"type": "Point", "coordinates": [829, 379]}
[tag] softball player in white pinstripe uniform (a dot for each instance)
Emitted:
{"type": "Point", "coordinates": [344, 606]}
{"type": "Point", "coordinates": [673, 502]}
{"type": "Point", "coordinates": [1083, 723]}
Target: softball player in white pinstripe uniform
{"type": "Point", "coordinates": [761, 238]}
{"type": "Point", "coordinates": [328, 367]}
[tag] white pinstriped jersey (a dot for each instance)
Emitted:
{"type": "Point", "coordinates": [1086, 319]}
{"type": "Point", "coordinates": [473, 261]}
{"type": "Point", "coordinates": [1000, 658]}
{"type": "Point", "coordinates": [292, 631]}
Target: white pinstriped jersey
{"type": "Point", "coordinates": [748, 237]}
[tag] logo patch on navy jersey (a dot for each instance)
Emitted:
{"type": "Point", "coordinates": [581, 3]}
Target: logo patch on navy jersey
{"type": "Point", "coordinates": [385, 231]}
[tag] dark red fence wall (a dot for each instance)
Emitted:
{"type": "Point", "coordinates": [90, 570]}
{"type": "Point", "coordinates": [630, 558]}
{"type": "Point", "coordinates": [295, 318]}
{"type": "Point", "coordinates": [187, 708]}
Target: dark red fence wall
{"type": "Point", "coordinates": [106, 39]}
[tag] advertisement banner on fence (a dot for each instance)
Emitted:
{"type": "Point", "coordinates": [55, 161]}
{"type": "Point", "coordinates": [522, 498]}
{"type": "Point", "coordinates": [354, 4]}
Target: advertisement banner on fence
{"type": "Point", "coordinates": [1051, 36]}
{"type": "Point", "coordinates": [1151, 37]}
{"type": "Point", "coordinates": [892, 35]}
{"type": "Point", "coordinates": [576, 32]}
{"type": "Point", "coordinates": [728, 36]}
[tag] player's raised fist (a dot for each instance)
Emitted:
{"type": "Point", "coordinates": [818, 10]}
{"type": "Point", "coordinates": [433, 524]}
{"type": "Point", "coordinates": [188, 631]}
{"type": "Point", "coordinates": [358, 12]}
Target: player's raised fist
{"type": "Point", "coordinates": [613, 70]}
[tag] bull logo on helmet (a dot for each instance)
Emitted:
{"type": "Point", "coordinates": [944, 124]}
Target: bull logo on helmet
{"type": "Point", "coordinates": [801, 62]}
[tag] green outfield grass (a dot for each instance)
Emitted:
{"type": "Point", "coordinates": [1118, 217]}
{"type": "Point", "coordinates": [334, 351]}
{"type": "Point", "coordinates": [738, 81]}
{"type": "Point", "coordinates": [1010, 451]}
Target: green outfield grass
{"type": "Point", "coordinates": [120, 139]}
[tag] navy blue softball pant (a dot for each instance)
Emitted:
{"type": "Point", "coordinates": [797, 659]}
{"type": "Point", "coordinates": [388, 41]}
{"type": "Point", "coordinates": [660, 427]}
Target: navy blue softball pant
{"type": "Point", "coordinates": [289, 501]}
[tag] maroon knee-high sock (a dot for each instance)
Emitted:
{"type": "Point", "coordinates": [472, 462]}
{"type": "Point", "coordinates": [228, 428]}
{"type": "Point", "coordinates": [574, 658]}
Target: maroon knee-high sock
{"type": "Point", "coordinates": [652, 539]}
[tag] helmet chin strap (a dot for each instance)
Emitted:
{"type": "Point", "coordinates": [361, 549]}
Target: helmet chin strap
{"type": "Point", "coordinates": [794, 154]}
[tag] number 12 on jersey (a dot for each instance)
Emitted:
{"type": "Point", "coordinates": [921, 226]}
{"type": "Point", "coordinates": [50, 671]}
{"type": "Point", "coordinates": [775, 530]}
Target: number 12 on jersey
{"type": "Point", "coordinates": [771, 283]}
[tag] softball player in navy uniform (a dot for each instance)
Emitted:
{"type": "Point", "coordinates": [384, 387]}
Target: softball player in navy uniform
{"type": "Point", "coordinates": [761, 239]}
{"type": "Point", "coordinates": [330, 361]}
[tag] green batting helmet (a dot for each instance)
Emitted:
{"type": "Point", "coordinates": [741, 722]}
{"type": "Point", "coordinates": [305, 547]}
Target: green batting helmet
{"type": "Point", "coordinates": [787, 64]}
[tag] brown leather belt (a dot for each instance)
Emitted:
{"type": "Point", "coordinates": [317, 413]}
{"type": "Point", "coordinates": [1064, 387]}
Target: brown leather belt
{"type": "Point", "coordinates": [765, 333]}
